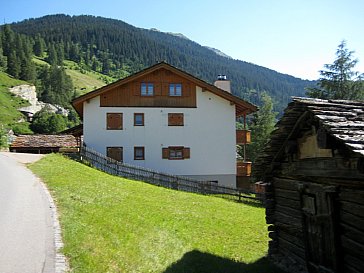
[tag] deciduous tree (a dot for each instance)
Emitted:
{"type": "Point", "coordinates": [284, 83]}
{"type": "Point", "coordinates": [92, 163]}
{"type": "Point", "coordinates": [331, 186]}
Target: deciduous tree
{"type": "Point", "coordinates": [261, 126]}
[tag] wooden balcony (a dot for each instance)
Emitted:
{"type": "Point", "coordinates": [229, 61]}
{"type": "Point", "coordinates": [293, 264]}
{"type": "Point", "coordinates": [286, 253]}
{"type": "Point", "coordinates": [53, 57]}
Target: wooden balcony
{"type": "Point", "coordinates": [243, 137]}
{"type": "Point", "coordinates": [243, 168]}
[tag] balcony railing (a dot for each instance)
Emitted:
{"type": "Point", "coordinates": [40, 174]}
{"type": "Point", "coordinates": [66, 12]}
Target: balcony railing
{"type": "Point", "coordinates": [243, 168]}
{"type": "Point", "coordinates": [243, 137]}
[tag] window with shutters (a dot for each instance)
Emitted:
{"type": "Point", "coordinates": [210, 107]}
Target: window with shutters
{"type": "Point", "coordinates": [115, 153]}
{"type": "Point", "coordinates": [175, 89]}
{"type": "Point", "coordinates": [139, 153]}
{"type": "Point", "coordinates": [138, 119]}
{"type": "Point", "coordinates": [176, 152]}
{"type": "Point", "coordinates": [146, 89]}
{"type": "Point", "coordinates": [175, 119]}
{"type": "Point", "coordinates": [114, 121]}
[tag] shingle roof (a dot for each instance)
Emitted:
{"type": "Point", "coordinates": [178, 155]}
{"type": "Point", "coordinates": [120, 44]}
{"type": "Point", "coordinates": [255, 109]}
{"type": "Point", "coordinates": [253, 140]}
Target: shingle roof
{"type": "Point", "coordinates": [342, 119]}
{"type": "Point", "coordinates": [44, 141]}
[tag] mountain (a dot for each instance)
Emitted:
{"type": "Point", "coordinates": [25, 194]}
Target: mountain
{"type": "Point", "coordinates": [118, 49]}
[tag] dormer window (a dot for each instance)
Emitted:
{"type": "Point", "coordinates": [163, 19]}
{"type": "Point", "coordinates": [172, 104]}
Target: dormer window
{"type": "Point", "coordinates": [175, 89]}
{"type": "Point", "coordinates": [146, 89]}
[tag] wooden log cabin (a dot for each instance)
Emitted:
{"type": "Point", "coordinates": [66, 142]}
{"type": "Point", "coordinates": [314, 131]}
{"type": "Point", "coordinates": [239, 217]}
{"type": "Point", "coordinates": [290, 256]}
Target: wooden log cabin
{"type": "Point", "coordinates": [314, 170]}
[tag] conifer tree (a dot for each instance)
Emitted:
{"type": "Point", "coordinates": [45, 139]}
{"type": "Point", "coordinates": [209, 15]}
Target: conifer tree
{"type": "Point", "coordinates": [3, 61]}
{"type": "Point", "coordinates": [39, 46]}
{"type": "Point", "coordinates": [13, 65]}
{"type": "Point", "coordinates": [52, 58]}
{"type": "Point", "coordinates": [338, 80]}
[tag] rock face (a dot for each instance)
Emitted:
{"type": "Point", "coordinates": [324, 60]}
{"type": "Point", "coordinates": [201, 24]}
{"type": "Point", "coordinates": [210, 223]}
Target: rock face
{"type": "Point", "coordinates": [28, 92]}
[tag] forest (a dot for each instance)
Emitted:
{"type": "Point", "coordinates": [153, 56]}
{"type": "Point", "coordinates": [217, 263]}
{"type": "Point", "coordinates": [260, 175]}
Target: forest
{"type": "Point", "coordinates": [117, 49]}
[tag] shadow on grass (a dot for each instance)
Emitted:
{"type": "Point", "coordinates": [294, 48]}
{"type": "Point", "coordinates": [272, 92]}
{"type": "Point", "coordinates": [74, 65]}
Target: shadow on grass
{"type": "Point", "coordinates": [199, 262]}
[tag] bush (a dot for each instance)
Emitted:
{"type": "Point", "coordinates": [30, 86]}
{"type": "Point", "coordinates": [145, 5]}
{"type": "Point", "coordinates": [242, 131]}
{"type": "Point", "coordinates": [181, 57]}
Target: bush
{"type": "Point", "coordinates": [22, 128]}
{"type": "Point", "coordinates": [45, 122]}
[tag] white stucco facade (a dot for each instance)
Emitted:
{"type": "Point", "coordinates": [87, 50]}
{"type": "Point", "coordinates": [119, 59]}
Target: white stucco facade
{"type": "Point", "coordinates": [209, 132]}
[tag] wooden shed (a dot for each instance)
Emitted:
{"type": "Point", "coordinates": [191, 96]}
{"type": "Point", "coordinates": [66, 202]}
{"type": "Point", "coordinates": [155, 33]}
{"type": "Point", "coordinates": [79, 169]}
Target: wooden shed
{"type": "Point", "coordinates": [314, 170]}
{"type": "Point", "coordinates": [44, 144]}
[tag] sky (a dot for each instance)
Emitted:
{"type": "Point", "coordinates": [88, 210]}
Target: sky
{"type": "Point", "coordinates": [295, 37]}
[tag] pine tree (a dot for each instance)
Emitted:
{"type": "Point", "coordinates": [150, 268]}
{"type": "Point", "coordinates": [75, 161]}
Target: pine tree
{"type": "Point", "coordinates": [27, 70]}
{"type": "Point", "coordinates": [3, 61]}
{"type": "Point", "coordinates": [60, 53]}
{"type": "Point", "coordinates": [52, 58]}
{"type": "Point", "coordinates": [13, 65]}
{"type": "Point", "coordinates": [8, 40]}
{"type": "Point", "coordinates": [339, 81]}
{"type": "Point", "coordinates": [39, 46]}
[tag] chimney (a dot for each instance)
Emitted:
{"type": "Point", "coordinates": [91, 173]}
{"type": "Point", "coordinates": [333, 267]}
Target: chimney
{"type": "Point", "coordinates": [223, 83]}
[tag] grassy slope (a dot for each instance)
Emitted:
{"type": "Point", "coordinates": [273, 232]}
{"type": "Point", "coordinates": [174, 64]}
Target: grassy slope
{"type": "Point", "coordinates": [8, 102]}
{"type": "Point", "coordinates": [112, 224]}
{"type": "Point", "coordinates": [85, 81]}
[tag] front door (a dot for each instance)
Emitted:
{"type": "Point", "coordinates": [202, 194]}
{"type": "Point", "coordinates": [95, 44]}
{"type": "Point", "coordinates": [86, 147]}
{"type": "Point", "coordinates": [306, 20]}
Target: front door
{"type": "Point", "coordinates": [319, 226]}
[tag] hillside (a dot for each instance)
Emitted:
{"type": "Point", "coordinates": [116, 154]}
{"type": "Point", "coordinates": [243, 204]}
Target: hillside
{"type": "Point", "coordinates": [10, 117]}
{"type": "Point", "coordinates": [83, 80]}
{"type": "Point", "coordinates": [117, 49]}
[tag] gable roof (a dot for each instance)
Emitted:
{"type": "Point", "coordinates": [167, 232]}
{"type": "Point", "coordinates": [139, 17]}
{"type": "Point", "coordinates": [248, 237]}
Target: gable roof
{"type": "Point", "coordinates": [342, 119]}
{"type": "Point", "coordinates": [242, 106]}
{"type": "Point", "coordinates": [44, 141]}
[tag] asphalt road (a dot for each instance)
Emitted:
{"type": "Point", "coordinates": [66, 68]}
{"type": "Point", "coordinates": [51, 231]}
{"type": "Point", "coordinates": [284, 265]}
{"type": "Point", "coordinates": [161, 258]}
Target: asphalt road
{"type": "Point", "coordinates": [26, 227]}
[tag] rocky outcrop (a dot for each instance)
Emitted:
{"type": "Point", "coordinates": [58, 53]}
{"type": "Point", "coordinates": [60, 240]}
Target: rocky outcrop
{"type": "Point", "coordinates": [28, 92]}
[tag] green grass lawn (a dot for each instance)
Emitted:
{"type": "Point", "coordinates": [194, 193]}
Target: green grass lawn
{"type": "Point", "coordinates": [112, 224]}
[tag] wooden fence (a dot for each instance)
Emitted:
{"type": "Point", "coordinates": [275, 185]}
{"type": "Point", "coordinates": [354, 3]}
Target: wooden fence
{"type": "Point", "coordinates": [111, 166]}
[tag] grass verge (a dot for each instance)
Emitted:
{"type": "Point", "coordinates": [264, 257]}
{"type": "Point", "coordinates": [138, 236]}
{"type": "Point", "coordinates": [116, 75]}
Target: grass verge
{"type": "Point", "coordinates": [112, 224]}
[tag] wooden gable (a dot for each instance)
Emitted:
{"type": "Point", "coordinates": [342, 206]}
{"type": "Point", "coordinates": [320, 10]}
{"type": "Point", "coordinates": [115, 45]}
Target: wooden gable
{"type": "Point", "coordinates": [125, 92]}
{"type": "Point", "coordinates": [129, 94]}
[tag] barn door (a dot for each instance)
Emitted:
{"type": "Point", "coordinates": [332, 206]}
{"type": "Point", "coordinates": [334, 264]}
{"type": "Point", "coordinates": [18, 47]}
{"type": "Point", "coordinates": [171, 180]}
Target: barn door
{"type": "Point", "coordinates": [319, 226]}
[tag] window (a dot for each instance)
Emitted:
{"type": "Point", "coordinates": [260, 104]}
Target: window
{"type": "Point", "coordinates": [114, 121]}
{"type": "Point", "coordinates": [138, 119]}
{"type": "Point", "coordinates": [147, 89]}
{"type": "Point", "coordinates": [175, 119]}
{"type": "Point", "coordinates": [176, 152]}
{"type": "Point", "coordinates": [115, 153]}
{"type": "Point", "coordinates": [138, 153]}
{"type": "Point", "coordinates": [175, 89]}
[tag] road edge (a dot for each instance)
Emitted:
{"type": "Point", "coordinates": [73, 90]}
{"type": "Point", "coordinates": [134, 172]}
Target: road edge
{"type": "Point", "coordinates": [61, 262]}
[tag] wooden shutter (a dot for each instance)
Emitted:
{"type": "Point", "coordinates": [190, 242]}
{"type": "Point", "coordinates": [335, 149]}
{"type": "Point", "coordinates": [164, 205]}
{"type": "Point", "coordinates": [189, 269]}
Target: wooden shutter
{"type": "Point", "coordinates": [114, 121]}
{"type": "Point", "coordinates": [165, 153]}
{"type": "Point", "coordinates": [186, 153]}
{"type": "Point", "coordinates": [175, 119]}
{"type": "Point", "coordinates": [115, 153]}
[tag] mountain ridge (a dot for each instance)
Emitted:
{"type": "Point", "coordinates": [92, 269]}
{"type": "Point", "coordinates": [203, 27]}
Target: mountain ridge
{"type": "Point", "coordinates": [130, 49]}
